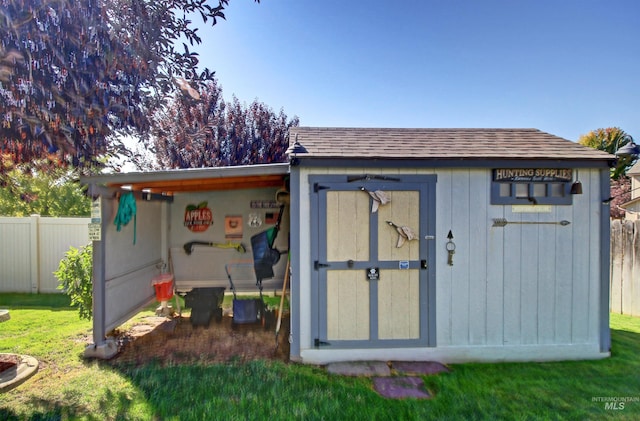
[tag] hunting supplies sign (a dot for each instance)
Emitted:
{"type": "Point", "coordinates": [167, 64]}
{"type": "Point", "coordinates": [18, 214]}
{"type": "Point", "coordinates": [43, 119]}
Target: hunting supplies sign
{"type": "Point", "coordinates": [197, 218]}
{"type": "Point", "coordinates": [533, 174]}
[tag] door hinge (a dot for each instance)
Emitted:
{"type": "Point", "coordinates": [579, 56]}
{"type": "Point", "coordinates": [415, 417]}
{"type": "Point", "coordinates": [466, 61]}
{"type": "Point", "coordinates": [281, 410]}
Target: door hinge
{"type": "Point", "coordinates": [318, 343]}
{"type": "Point", "coordinates": [317, 187]}
{"type": "Point", "coordinates": [317, 265]}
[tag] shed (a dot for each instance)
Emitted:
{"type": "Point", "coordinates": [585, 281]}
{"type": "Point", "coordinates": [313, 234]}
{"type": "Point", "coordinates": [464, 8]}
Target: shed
{"type": "Point", "coordinates": [406, 244]}
{"type": "Point", "coordinates": [220, 207]}
{"type": "Point", "coordinates": [504, 263]}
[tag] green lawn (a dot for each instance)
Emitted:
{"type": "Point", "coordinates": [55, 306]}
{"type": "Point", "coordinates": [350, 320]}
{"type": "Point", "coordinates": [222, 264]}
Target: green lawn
{"type": "Point", "coordinates": [68, 387]}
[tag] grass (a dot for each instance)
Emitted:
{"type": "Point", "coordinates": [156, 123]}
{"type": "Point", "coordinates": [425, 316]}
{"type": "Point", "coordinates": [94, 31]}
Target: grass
{"type": "Point", "coordinates": [68, 387]}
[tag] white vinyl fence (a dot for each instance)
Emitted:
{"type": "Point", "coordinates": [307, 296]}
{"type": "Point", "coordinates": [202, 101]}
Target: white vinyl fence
{"type": "Point", "coordinates": [625, 267]}
{"type": "Point", "coordinates": [31, 249]}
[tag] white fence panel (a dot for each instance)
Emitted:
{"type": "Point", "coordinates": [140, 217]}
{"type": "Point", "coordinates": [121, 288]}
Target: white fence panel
{"type": "Point", "coordinates": [15, 254]}
{"type": "Point", "coordinates": [625, 267]}
{"type": "Point", "coordinates": [56, 235]}
{"type": "Point", "coordinates": [31, 249]}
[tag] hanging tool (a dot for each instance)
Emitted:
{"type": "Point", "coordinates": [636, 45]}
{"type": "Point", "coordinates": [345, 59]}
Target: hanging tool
{"type": "Point", "coordinates": [501, 222]}
{"type": "Point", "coordinates": [284, 291]}
{"type": "Point", "coordinates": [240, 248]}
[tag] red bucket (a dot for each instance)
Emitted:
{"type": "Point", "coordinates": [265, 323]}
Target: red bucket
{"type": "Point", "coordinates": [164, 286]}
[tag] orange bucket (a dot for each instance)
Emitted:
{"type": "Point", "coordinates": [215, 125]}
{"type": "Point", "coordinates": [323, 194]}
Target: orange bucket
{"type": "Point", "coordinates": [164, 286]}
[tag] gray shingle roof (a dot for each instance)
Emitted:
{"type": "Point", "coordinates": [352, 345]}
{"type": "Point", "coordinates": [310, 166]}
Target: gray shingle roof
{"type": "Point", "coordinates": [380, 143]}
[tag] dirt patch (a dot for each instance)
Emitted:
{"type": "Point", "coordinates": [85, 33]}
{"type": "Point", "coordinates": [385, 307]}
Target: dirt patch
{"type": "Point", "coordinates": [176, 341]}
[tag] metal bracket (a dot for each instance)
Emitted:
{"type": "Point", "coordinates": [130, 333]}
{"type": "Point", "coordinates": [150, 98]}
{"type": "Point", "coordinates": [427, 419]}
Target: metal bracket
{"type": "Point", "coordinates": [317, 187]}
{"type": "Point", "coordinates": [317, 265]}
{"type": "Point", "coordinates": [318, 343]}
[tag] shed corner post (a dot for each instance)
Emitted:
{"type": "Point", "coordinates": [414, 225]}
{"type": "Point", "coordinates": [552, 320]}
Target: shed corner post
{"type": "Point", "coordinates": [102, 347]}
{"type": "Point", "coordinates": [605, 259]}
{"type": "Point", "coordinates": [294, 233]}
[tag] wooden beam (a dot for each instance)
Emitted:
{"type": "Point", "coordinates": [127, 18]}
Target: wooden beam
{"type": "Point", "coordinates": [203, 184]}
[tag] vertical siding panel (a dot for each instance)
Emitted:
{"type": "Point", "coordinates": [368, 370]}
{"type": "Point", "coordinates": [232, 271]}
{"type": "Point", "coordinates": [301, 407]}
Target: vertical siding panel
{"type": "Point", "coordinates": [495, 279]}
{"type": "Point", "coordinates": [460, 208]}
{"type": "Point", "coordinates": [512, 280]}
{"type": "Point", "coordinates": [547, 284]}
{"type": "Point", "coordinates": [444, 273]}
{"type": "Point", "coordinates": [478, 222]}
{"type": "Point", "coordinates": [564, 276]}
{"type": "Point", "coordinates": [585, 232]}
{"type": "Point", "coordinates": [532, 235]}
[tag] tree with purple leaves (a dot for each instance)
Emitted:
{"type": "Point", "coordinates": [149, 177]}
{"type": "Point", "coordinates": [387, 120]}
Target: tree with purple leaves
{"type": "Point", "coordinates": [201, 130]}
{"type": "Point", "coordinates": [76, 75]}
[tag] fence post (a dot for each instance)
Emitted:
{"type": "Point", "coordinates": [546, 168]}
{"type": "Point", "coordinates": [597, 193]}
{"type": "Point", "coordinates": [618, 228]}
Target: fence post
{"type": "Point", "coordinates": [627, 262]}
{"type": "Point", "coordinates": [616, 266]}
{"type": "Point", "coordinates": [34, 253]}
{"type": "Point", "coordinates": [635, 268]}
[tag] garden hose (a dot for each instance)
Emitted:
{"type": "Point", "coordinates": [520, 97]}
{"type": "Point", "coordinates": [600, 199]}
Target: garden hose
{"type": "Point", "coordinates": [126, 211]}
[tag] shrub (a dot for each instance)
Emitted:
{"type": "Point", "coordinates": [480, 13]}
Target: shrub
{"type": "Point", "coordinates": [74, 275]}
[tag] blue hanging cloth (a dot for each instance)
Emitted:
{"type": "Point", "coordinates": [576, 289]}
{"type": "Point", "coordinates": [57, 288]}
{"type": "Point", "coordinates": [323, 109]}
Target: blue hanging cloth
{"type": "Point", "coordinates": [126, 211]}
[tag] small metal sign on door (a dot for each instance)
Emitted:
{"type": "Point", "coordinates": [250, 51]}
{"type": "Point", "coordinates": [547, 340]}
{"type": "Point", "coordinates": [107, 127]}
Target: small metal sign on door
{"type": "Point", "coordinates": [373, 274]}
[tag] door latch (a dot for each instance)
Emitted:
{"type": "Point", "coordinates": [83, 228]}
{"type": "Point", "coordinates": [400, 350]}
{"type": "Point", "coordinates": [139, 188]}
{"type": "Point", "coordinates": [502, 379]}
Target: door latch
{"type": "Point", "coordinates": [317, 265]}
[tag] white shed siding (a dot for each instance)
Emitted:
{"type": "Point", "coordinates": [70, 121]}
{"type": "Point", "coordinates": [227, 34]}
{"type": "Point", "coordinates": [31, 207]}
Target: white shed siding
{"type": "Point", "coordinates": [518, 285]}
{"type": "Point", "coordinates": [128, 281]}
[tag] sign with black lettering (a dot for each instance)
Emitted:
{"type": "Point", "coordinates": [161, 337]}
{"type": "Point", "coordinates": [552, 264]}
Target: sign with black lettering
{"type": "Point", "coordinates": [543, 175]}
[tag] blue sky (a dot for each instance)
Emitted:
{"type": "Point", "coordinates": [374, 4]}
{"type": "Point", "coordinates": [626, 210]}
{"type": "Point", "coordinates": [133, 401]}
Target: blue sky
{"type": "Point", "coordinates": [563, 66]}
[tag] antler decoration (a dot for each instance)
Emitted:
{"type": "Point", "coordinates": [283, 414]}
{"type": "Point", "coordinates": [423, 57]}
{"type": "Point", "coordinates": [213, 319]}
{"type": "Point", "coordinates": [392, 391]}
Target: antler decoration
{"type": "Point", "coordinates": [379, 198]}
{"type": "Point", "coordinates": [404, 234]}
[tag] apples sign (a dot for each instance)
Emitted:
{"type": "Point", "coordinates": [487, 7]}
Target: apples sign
{"type": "Point", "coordinates": [198, 217]}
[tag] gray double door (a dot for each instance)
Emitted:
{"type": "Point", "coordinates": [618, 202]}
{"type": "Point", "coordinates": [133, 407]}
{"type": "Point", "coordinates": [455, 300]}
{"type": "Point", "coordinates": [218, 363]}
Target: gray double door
{"type": "Point", "coordinates": [373, 273]}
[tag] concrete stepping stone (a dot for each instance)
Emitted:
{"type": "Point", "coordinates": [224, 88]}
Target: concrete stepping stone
{"type": "Point", "coordinates": [400, 387]}
{"type": "Point", "coordinates": [360, 368]}
{"type": "Point", "coordinates": [419, 368]}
